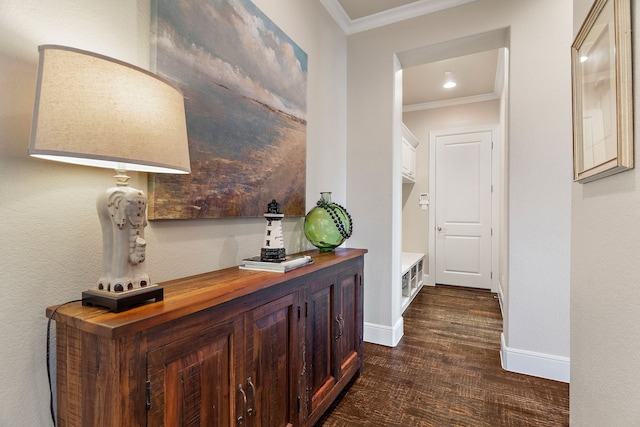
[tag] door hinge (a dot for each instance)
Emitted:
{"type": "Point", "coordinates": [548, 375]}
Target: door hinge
{"type": "Point", "coordinates": [298, 404]}
{"type": "Point", "coordinates": [491, 275]}
{"type": "Point", "coordinates": [148, 387]}
{"type": "Point", "coordinates": [306, 309]}
{"type": "Point", "coordinates": [298, 312]}
{"type": "Point", "coordinates": [492, 231]}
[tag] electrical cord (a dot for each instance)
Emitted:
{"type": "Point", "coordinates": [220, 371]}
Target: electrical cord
{"type": "Point", "coordinates": [53, 416]}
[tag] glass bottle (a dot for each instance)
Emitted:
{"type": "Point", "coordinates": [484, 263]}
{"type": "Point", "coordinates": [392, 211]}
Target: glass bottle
{"type": "Point", "coordinates": [328, 224]}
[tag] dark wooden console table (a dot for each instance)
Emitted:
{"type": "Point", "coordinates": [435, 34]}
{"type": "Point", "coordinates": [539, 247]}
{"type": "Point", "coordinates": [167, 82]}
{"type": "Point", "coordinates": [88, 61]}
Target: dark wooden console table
{"type": "Point", "coordinates": [231, 347]}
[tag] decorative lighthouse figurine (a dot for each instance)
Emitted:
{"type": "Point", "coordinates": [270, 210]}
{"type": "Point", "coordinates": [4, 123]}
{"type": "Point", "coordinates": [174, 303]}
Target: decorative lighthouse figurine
{"type": "Point", "coordinates": [273, 248]}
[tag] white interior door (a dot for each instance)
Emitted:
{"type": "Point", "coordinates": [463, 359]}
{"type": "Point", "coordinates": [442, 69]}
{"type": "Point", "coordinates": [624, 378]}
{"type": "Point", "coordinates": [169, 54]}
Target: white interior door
{"type": "Point", "coordinates": [463, 209]}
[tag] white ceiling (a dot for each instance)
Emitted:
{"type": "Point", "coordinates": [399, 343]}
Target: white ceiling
{"type": "Point", "coordinates": [359, 15]}
{"type": "Point", "coordinates": [358, 8]}
{"type": "Point", "coordinates": [475, 74]}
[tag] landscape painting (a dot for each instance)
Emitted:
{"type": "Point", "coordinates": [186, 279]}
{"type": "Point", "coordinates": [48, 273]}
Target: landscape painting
{"type": "Point", "coordinates": [245, 84]}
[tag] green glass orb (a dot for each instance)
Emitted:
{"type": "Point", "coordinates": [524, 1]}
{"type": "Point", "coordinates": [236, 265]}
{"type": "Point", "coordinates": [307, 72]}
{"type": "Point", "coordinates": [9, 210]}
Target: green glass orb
{"type": "Point", "coordinates": [327, 225]}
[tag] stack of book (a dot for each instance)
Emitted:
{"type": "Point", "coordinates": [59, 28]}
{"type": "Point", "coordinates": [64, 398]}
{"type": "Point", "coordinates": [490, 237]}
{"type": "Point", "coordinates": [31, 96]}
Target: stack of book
{"type": "Point", "coordinates": [289, 263]}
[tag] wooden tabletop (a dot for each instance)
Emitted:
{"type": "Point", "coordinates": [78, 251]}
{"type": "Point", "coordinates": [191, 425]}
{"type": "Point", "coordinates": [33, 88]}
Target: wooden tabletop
{"type": "Point", "coordinates": [188, 295]}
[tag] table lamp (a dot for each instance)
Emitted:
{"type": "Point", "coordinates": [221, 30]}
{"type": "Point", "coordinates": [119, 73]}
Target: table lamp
{"type": "Point", "coordinates": [97, 111]}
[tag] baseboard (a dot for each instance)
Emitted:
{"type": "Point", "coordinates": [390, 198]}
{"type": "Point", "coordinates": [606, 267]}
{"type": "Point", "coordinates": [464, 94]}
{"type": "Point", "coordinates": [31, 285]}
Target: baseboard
{"type": "Point", "coordinates": [500, 299]}
{"type": "Point", "coordinates": [384, 335]}
{"type": "Point", "coordinates": [536, 364]}
{"type": "Point", "coordinates": [428, 280]}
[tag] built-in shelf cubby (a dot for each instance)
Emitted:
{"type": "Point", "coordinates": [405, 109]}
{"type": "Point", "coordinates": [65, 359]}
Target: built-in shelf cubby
{"type": "Point", "coordinates": [412, 276]}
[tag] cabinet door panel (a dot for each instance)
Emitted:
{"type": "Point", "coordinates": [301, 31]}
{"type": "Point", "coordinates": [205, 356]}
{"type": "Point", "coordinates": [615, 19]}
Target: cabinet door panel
{"type": "Point", "coordinates": [190, 379]}
{"type": "Point", "coordinates": [321, 338]}
{"type": "Point", "coordinates": [348, 342]}
{"type": "Point", "coordinates": [194, 375]}
{"type": "Point", "coordinates": [333, 346]}
{"type": "Point", "coordinates": [272, 344]}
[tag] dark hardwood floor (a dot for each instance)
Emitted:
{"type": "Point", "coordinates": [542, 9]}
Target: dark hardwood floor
{"type": "Point", "coordinates": [446, 372]}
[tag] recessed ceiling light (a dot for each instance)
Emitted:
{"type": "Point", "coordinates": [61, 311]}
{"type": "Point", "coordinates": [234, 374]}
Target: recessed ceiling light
{"type": "Point", "coordinates": [448, 80]}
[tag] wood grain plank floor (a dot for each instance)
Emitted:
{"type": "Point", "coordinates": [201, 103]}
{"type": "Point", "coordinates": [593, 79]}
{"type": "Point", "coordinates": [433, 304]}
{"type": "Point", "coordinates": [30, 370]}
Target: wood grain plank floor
{"type": "Point", "coordinates": [446, 372]}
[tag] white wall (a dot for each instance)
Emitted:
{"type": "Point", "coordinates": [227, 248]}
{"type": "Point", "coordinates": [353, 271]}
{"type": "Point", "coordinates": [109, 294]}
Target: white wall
{"type": "Point", "coordinates": [49, 229]}
{"type": "Point", "coordinates": [540, 160]}
{"type": "Point", "coordinates": [605, 291]}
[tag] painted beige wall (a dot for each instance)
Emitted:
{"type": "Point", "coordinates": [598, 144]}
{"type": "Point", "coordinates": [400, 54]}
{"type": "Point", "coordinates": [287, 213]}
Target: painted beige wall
{"type": "Point", "coordinates": [605, 290]}
{"type": "Point", "coordinates": [539, 158]}
{"type": "Point", "coordinates": [415, 221]}
{"type": "Point", "coordinates": [49, 229]}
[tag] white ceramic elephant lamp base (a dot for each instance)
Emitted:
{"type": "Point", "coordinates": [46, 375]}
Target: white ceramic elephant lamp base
{"type": "Point", "coordinates": [124, 281]}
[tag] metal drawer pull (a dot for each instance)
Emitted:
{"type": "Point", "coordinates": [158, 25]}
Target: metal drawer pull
{"type": "Point", "coordinates": [240, 419]}
{"type": "Point", "coordinates": [252, 412]}
{"type": "Point", "coordinates": [340, 322]}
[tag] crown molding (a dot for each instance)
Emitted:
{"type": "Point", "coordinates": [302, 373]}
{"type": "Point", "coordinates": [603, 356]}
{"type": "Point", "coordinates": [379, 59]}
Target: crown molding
{"type": "Point", "coordinates": [391, 16]}
{"type": "Point", "coordinates": [450, 102]}
{"type": "Point", "coordinates": [338, 14]}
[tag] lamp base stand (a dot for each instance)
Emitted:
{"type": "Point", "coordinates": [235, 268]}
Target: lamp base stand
{"type": "Point", "coordinates": [122, 301]}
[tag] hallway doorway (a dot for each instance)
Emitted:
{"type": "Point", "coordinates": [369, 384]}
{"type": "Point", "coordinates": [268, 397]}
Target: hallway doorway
{"type": "Point", "coordinates": [461, 165]}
